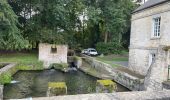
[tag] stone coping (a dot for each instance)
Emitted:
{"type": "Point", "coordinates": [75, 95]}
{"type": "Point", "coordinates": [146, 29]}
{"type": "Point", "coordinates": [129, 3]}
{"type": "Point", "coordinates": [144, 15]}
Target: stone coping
{"type": "Point", "coordinates": [136, 95]}
{"type": "Point", "coordinates": [7, 67]}
{"type": "Point", "coordinates": [120, 69]}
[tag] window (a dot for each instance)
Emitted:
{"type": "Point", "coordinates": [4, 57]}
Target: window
{"type": "Point", "coordinates": [152, 58]}
{"type": "Point", "coordinates": [53, 49]}
{"type": "Point", "coordinates": [156, 27]}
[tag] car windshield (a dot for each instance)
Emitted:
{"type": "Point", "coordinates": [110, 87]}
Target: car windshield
{"type": "Point", "coordinates": [93, 50]}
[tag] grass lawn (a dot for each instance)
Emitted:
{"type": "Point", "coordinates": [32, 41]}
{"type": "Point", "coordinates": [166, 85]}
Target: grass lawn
{"type": "Point", "coordinates": [19, 57]}
{"type": "Point", "coordinates": [114, 58]}
{"type": "Point", "coordinates": [110, 58]}
{"type": "Point", "coordinates": [25, 61]}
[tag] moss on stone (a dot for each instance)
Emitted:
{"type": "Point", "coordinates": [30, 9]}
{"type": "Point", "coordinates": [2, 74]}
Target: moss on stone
{"type": "Point", "coordinates": [77, 58]}
{"type": "Point", "coordinates": [166, 48]}
{"type": "Point", "coordinates": [5, 78]}
{"type": "Point", "coordinates": [56, 88]}
{"type": "Point", "coordinates": [62, 66]}
{"type": "Point", "coordinates": [105, 86]}
{"type": "Point", "coordinates": [105, 82]}
{"type": "Point", "coordinates": [57, 85]}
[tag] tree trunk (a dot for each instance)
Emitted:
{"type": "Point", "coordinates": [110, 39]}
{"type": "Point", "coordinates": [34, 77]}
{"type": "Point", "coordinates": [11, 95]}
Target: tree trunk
{"type": "Point", "coordinates": [105, 37]}
{"type": "Point", "coordinates": [120, 37]}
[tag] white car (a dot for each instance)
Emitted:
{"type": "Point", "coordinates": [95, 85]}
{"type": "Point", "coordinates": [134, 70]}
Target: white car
{"type": "Point", "coordinates": [92, 52]}
{"type": "Point", "coordinates": [85, 51]}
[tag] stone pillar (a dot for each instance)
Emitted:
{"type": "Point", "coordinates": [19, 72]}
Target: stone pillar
{"type": "Point", "coordinates": [56, 88]}
{"type": "Point", "coordinates": [78, 62]}
{"type": "Point", "coordinates": [1, 92]}
{"type": "Point", "coordinates": [157, 72]}
{"type": "Point", "coordinates": [105, 86]}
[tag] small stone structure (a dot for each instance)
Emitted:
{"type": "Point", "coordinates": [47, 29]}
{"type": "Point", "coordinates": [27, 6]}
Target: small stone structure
{"type": "Point", "coordinates": [56, 88]}
{"type": "Point", "coordinates": [105, 86]}
{"type": "Point", "coordinates": [51, 53]}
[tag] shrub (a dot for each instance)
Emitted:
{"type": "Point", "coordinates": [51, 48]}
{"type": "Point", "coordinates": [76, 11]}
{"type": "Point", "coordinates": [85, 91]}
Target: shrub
{"type": "Point", "coordinates": [5, 78]}
{"type": "Point", "coordinates": [107, 48]}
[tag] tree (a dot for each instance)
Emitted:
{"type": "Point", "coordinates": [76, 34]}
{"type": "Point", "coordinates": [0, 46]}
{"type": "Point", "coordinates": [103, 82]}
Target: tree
{"type": "Point", "coordinates": [53, 21]}
{"type": "Point", "coordinates": [10, 37]}
{"type": "Point", "coordinates": [112, 17]}
{"type": "Point", "coordinates": [58, 21]}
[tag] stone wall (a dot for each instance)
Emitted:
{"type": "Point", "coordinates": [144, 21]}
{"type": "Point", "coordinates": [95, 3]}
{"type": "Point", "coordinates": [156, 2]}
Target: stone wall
{"type": "Point", "coordinates": [141, 95]}
{"type": "Point", "coordinates": [76, 60]}
{"type": "Point", "coordinates": [141, 42]}
{"type": "Point", "coordinates": [7, 68]}
{"type": "Point", "coordinates": [1, 92]}
{"type": "Point", "coordinates": [48, 57]}
{"type": "Point", "coordinates": [3, 70]}
{"type": "Point", "coordinates": [131, 82]}
{"type": "Point", "coordinates": [158, 72]}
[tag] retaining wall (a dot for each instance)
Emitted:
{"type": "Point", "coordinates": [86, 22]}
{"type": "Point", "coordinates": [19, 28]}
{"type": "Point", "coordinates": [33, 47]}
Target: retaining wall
{"type": "Point", "coordinates": [123, 78]}
{"type": "Point", "coordinates": [3, 70]}
{"type": "Point", "coordinates": [1, 92]}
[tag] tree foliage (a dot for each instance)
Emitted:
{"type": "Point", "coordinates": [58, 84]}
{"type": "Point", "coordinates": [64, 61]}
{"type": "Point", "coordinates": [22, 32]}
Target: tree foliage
{"type": "Point", "coordinates": [10, 36]}
{"type": "Point", "coordinates": [78, 23]}
{"type": "Point", "coordinates": [108, 21]}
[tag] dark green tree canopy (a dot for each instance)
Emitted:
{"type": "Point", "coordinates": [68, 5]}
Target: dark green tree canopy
{"type": "Point", "coordinates": [84, 23]}
{"type": "Point", "coordinates": [10, 36]}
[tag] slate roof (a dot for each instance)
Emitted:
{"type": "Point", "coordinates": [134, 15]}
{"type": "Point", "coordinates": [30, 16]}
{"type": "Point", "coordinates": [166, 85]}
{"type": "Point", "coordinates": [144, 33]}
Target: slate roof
{"type": "Point", "coordinates": [149, 3]}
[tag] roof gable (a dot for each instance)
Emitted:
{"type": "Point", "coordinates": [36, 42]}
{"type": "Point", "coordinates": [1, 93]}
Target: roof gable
{"type": "Point", "coordinates": [149, 3]}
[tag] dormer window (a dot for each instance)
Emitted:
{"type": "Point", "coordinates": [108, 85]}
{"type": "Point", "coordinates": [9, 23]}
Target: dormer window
{"type": "Point", "coordinates": [156, 27]}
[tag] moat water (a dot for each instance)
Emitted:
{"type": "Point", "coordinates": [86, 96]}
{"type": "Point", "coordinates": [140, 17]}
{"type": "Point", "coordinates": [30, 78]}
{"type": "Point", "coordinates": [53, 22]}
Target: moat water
{"type": "Point", "coordinates": [35, 83]}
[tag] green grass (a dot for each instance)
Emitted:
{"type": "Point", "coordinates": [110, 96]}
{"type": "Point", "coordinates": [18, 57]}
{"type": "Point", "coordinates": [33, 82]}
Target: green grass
{"type": "Point", "coordinates": [110, 58]}
{"type": "Point", "coordinates": [108, 62]}
{"type": "Point", "coordinates": [25, 61]}
{"type": "Point", "coordinates": [19, 57]}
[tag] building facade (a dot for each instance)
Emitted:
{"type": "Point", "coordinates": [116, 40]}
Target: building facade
{"type": "Point", "coordinates": [150, 28]}
{"type": "Point", "coordinates": [51, 53]}
{"type": "Point", "coordinates": [140, 2]}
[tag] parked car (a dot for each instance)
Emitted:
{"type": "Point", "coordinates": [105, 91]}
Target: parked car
{"type": "Point", "coordinates": [84, 51]}
{"type": "Point", "coordinates": [92, 52]}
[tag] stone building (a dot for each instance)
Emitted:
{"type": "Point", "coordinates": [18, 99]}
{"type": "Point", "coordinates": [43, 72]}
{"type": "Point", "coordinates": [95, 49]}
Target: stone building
{"type": "Point", "coordinates": [51, 53]}
{"type": "Point", "coordinates": [140, 2]}
{"type": "Point", "coordinates": [150, 34]}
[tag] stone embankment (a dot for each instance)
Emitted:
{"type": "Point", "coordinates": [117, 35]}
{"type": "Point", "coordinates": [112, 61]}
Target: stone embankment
{"type": "Point", "coordinates": [121, 75]}
{"type": "Point", "coordinates": [1, 92]}
{"type": "Point", "coordinates": [4, 70]}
